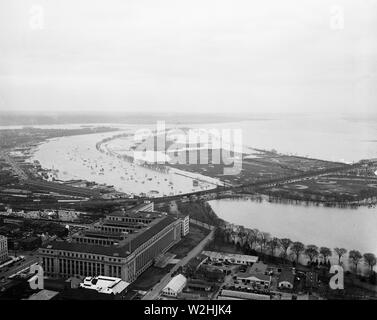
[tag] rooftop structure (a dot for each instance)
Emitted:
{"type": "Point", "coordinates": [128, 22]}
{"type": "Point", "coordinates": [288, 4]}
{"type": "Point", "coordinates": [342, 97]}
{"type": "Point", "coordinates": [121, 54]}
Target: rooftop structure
{"type": "Point", "coordinates": [254, 275]}
{"type": "Point", "coordinates": [231, 258]}
{"type": "Point", "coordinates": [175, 285]}
{"type": "Point", "coordinates": [107, 285]}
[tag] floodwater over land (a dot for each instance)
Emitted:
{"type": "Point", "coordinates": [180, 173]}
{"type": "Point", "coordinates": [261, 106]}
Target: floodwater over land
{"type": "Point", "coordinates": [76, 157]}
{"type": "Point", "coordinates": [335, 139]}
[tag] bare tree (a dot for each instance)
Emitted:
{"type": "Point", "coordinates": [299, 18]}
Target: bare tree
{"type": "Point", "coordinates": [263, 239]}
{"type": "Point", "coordinates": [312, 252]}
{"type": "Point", "coordinates": [340, 252]}
{"type": "Point", "coordinates": [297, 248]}
{"type": "Point", "coordinates": [355, 256]}
{"type": "Point", "coordinates": [243, 237]}
{"type": "Point", "coordinates": [325, 252]}
{"type": "Point", "coordinates": [370, 260]}
{"type": "Point", "coordinates": [252, 237]}
{"type": "Point", "coordinates": [285, 244]}
{"type": "Point", "coordinates": [274, 244]}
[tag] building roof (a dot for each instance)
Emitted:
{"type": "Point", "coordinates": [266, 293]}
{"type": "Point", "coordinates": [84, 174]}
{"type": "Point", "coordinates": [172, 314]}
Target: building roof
{"type": "Point", "coordinates": [230, 256]}
{"type": "Point", "coordinates": [286, 275]}
{"type": "Point", "coordinates": [134, 211]}
{"type": "Point", "coordinates": [177, 283]}
{"type": "Point", "coordinates": [123, 250]}
{"type": "Point", "coordinates": [108, 285]}
{"type": "Point", "coordinates": [145, 234]}
{"type": "Point", "coordinates": [247, 275]}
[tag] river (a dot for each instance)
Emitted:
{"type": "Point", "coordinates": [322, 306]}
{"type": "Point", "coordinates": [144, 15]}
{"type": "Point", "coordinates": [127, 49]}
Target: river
{"type": "Point", "coordinates": [353, 229]}
{"type": "Point", "coordinates": [323, 137]}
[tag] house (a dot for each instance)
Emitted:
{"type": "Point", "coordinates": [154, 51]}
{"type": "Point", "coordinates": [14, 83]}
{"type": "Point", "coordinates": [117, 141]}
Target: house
{"type": "Point", "coordinates": [250, 278]}
{"type": "Point", "coordinates": [175, 286]}
{"type": "Point", "coordinates": [255, 275]}
{"type": "Point", "coordinates": [286, 279]}
{"type": "Point", "coordinates": [230, 258]}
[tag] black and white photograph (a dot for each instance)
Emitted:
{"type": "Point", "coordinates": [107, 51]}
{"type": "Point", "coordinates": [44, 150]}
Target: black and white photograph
{"type": "Point", "coordinates": [196, 155]}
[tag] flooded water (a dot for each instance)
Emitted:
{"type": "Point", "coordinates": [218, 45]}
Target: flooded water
{"type": "Point", "coordinates": [353, 229]}
{"type": "Point", "coordinates": [335, 139]}
{"type": "Point", "coordinates": [76, 157]}
{"type": "Point", "coordinates": [327, 138]}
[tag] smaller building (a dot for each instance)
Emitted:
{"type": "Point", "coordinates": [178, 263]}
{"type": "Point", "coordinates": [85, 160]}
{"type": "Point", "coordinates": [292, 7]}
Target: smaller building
{"type": "Point", "coordinates": [286, 279]}
{"type": "Point", "coordinates": [3, 249]}
{"type": "Point", "coordinates": [231, 258]}
{"type": "Point", "coordinates": [107, 285]}
{"type": "Point", "coordinates": [175, 286]}
{"type": "Point", "coordinates": [255, 275]}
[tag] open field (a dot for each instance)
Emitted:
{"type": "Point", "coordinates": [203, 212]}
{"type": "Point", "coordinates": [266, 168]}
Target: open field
{"type": "Point", "coordinates": [188, 243]}
{"type": "Point", "coordinates": [260, 166]}
{"type": "Point", "coordinates": [330, 187]}
{"type": "Point", "coordinates": [149, 278]}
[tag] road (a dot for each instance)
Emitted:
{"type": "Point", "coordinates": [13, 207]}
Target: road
{"type": "Point", "coordinates": [15, 167]}
{"type": "Point", "coordinates": [155, 291]}
{"type": "Point", "coordinates": [5, 272]}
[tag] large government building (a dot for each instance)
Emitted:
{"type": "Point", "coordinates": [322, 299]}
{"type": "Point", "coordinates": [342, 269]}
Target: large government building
{"type": "Point", "coordinates": [122, 245]}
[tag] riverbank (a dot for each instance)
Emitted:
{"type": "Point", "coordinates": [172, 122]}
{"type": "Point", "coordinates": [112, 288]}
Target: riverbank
{"type": "Point", "coordinates": [320, 226]}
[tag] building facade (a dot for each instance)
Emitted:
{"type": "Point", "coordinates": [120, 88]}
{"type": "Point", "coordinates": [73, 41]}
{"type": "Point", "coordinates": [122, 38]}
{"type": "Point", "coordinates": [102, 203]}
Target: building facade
{"type": "Point", "coordinates": [123, 245]}
{"type": "Point", "coordinates": [175, 286]}
{"type": "Point", "coordinates": [3, 249]}
{"type": "Point", "coordinates": [185, 225]}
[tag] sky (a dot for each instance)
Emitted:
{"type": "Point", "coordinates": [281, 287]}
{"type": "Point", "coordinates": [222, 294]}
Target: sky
{"type": "Point", "coordinates": [189, 56]}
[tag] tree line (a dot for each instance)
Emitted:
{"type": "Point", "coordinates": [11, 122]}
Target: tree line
{"type": "Point", "coordinates": [253, 239]}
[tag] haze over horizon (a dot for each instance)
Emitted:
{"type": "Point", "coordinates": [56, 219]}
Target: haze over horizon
{"type": "Point", "coordinates": [207, 56]}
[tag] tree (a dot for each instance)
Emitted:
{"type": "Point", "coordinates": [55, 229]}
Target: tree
{"type": "Point", "coordinates": [370, 260]}
{"type": "Point", "coordinates": [274, 243]}
{"type": "Point", "coordinates": [312, 252]}
{"type": "Point", "coordinates": [297, 248]}
{"type": "Point", "coordinates": [340, 252]}
{"type": "Point", "coordinates": [263, 239]}
{"type": "Point", "coordinates": [243, 237]}
{"type": "Point", "coordinates": [355, 256]}
{"type": "Point", "coordinates": [325, 252]}
{"type": "Point", "coordinates": [252, 237]}
{"type": "Point", "coordinates": [285, 244]}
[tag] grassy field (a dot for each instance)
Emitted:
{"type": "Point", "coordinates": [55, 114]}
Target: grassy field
{"type": "Point", "coordinates": [223, 247]}
{"type": "Point", "coordinates": [331, 186]}
{"type": "Point", "coordinates": [149, 278]}
{"type": "Point", "coordinates": [188, 243]}
{"type": "Point", "coordinates": [260, 165]}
